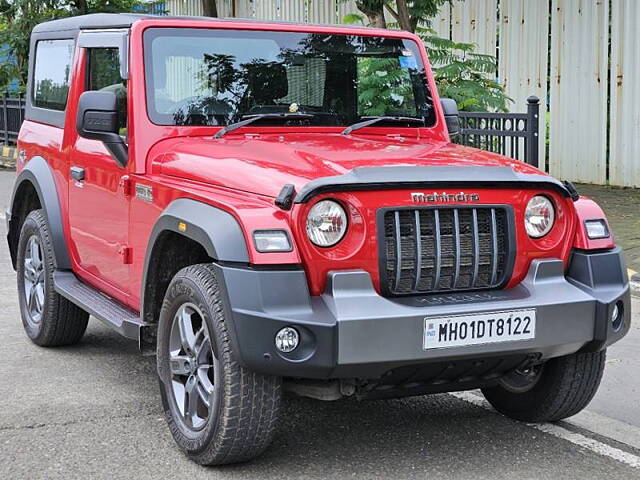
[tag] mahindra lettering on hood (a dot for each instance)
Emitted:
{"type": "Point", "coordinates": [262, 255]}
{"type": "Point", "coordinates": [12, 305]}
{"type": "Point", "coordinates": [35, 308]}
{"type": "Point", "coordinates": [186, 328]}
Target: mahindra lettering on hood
{"type": "Point", "coordinates": [278, 209]}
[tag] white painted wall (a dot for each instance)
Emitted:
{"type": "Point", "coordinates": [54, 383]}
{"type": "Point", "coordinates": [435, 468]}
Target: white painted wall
{"type": "Point", "coordinates": [624, 141]}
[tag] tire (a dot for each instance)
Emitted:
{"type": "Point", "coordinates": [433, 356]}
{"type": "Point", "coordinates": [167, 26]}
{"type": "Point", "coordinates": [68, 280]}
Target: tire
{"type": "Point", "coordinates": [564, 386]}
{"type": "Point", "coordinates": [48, 318]}
{"type": "Point", "coordinates": [233, 416]}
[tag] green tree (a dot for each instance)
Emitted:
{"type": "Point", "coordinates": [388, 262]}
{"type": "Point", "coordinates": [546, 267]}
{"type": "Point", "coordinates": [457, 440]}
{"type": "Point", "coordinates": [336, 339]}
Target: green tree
{"type": "Point", "coordinates": [408, 14]}
{"type": "Point", "coordinates": [460, 71]}
{"type": "Point", "coordinates": [463, 74]}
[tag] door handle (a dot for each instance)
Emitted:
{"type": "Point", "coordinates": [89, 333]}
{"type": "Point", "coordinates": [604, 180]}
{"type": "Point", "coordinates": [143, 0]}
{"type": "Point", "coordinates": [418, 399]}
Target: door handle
{"type": "Point", "coordinates": [77, 173]}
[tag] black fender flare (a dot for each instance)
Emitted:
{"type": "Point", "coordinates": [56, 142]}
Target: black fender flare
{"type": "Point", "coordinates": [215, 229]}
{"type": "Point", "coordinates": [38, 173]}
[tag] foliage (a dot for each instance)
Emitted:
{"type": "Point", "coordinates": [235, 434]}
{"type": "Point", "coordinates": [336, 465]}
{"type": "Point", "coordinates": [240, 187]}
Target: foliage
{"type": "Point", "coordinates": [460, 72]}
{"type": "Point", "coordinates": [353, 18]}
{"type": "Point", "coordinates": [407, 13]}
{"type": "Point", "coordinates": [463, 74]}
{"type": "Point", "coordinates": [18, 17]}
{"type": "Point", "coordinates": [384, 88]}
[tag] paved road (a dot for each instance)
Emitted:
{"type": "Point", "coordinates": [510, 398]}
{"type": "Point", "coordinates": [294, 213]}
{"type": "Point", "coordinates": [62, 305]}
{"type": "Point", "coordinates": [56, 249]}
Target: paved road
{"type": "Point", "coordinates": [92, 411]}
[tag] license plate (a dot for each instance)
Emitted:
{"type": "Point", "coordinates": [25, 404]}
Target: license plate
{"type": "Point", "coordinates": [476, 329]}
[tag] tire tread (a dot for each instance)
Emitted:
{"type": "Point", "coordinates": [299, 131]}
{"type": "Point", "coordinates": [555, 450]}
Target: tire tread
{"type": "Point", "coordinates": [250, 401]}
{"type": "Point", "coordinates": [571, 383]}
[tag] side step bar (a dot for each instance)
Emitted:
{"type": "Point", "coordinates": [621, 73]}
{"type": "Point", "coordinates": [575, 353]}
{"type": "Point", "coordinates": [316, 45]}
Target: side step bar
{"type": "Point", "coordinates": [123, 320]}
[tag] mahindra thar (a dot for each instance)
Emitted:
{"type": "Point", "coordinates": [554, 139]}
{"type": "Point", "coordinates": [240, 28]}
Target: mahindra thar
{"type": "Point", "coordinates": [276, 208]}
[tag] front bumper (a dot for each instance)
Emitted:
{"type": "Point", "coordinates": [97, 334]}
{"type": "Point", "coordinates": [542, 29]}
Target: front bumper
{"type": "Point", "coordinates": [353, 332]}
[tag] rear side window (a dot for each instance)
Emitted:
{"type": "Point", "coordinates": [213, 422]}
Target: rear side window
{"type": "Point", "coordinates": [52, 73]}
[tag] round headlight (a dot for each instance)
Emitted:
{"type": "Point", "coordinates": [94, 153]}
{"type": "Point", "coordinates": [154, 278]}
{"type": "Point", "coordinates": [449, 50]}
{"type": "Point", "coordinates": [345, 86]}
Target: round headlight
{"type": "Point", "coordinates": [539, 216]}
{"type": "Point", "coordinates": [326, 223]}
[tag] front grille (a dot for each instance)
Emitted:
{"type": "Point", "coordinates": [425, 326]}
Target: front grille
{"type": "Point", "coordinates": [448, 249]}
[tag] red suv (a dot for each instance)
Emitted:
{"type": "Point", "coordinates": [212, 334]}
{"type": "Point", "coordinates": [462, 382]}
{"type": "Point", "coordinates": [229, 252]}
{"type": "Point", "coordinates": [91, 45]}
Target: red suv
{"type": "Point", "coordinates": [278, 207]}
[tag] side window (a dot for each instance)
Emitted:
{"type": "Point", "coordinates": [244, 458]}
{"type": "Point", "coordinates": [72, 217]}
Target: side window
{"type": "Point", "coordinates": [104, 74]}
{"type": "Point", "coordinates": [52, 73]}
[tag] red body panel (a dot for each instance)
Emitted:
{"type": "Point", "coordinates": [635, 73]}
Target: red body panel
{"type": "Point", "coordinates": [359, 248]}
{"type": "Point", "coordinates": [244, 171]}
{"type": "Point", "coordinates": [587, 209]}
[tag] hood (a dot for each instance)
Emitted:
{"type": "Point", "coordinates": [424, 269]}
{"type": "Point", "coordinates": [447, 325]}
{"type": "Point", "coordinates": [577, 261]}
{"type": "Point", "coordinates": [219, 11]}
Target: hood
{"type": "Point", "coordinates": [263, 164]}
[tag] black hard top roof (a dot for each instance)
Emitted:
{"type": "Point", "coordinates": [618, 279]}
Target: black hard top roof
{"type": "Point", "coordinates": [94, 20]}
{"type": "Point", "coordinates": [125, 20]}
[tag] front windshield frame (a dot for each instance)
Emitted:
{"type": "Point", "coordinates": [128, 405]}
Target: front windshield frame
{"type": "Point", "coordinates": [424, 101]}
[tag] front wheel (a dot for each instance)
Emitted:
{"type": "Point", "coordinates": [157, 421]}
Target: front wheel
{"type": "Point", "coordinates": [218, 411]}
{"type": "Point", "coordinates": [557, 389]}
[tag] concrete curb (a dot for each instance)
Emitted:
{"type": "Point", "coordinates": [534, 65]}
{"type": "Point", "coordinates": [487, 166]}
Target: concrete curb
{"type": "Point", "coordinates": [8, 157]}
{"type": "Point", "coordinates": [634, 281]}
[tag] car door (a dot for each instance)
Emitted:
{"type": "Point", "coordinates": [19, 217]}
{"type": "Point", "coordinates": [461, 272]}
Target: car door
{"type": "Point", "coordinates": [98, 200]}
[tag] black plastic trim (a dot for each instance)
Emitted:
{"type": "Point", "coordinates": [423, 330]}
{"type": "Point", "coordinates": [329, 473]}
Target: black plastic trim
{"type": "Point", "coordinates": [511, 245]}
{"type": "Point", "coordinates": [602, 274]}
{"type": "Point", "coordinates": [116, 316]}
{"type": "Point", "coordinates": [393, 178]}
{"type": "Point", "coordinates": [284, 200]}
{"type": "Point", "coordinates": [216, 230]}
{"type": "Point", "coordinates": [38, 172]}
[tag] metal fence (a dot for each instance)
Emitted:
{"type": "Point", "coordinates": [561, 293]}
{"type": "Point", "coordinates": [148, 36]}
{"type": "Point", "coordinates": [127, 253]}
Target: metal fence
{"type": "Point", "coordinates": [11, 117]}
{"type": "Point", "coordinates": [511, 134]}
{"type": "Point", "coordinates": [514, 135]}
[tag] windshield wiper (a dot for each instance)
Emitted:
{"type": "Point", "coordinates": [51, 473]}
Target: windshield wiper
{"type": "Point", "coordinates": [249, 119]}
{"type": "Point", "coordinates": [374, 120]}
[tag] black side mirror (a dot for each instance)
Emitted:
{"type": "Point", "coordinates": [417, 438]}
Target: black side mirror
{"type": "Point", "coordinates": [98, 120]}
{"type": "Point", "coordinates": [451, 116]}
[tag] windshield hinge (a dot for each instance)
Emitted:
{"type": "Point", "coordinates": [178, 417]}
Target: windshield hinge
{"type": "Point", "coordinates": [284, 200]}
{"type": "Point", "coordinates": [125, 253]}
{"type": "Point", "coordinates": [125, 184]}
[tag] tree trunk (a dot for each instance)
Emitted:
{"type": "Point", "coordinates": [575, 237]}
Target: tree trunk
{"type": "Point", "coordinates": [209, 8]}
{"type": "Point", "coordinates": [403, 16]}
{"type": "Point", "coordinates": [81, 6]}
{"type": "Point", "coordinates": [375, 15]}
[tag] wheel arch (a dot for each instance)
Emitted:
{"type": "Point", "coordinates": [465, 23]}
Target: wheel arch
{"type": "Point", "coordinates": [35, 188]}
{"type": "Point", "coordinates": [187, 232]}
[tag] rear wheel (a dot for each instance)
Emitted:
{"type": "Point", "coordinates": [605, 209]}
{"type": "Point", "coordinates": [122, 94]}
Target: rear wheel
{"type": "Point", "coordinates": [218, 412]}
{"type": "Point", "coordinates": [549, 392]}
{"type": "Point", "coordinates": [48, 318]}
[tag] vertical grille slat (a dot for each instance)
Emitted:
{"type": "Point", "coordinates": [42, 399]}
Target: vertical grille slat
{"type": "Point", "coordinates": [418, 240]}
{"type": "Point", "coordinates": [445, 249]}
{"type": "Point", "coordinates": [438, 252]}
{"type": "Point", "coordinates": [494, 253]}
{"type": "Point", "coordinates": [398, 251]}
{"type": "Point", "coordinates": [476, 247]}
{"type": "Point", "coordinates": [456, 233]}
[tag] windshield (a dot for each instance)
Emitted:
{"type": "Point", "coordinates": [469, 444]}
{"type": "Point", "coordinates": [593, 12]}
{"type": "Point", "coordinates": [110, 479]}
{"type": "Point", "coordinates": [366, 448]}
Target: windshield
{"type": "Point", "coordinates": [217, 77]}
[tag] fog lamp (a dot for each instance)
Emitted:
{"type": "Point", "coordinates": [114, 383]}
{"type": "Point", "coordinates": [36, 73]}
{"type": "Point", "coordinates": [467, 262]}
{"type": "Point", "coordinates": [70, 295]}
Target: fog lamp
{"type": "Point", "coordinates": [616, 316]}
{"type": "Point", "coordinates": [596, 229]}
{"type": "Point", "coordinates": [287, 339]}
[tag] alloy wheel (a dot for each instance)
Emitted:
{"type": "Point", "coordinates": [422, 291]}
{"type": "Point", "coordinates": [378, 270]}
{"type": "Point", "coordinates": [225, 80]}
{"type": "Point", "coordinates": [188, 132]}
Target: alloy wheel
{"type": "Point", "coordinates": [34, 280]}
{"type": "Point", "coordinates": [193, 365]}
